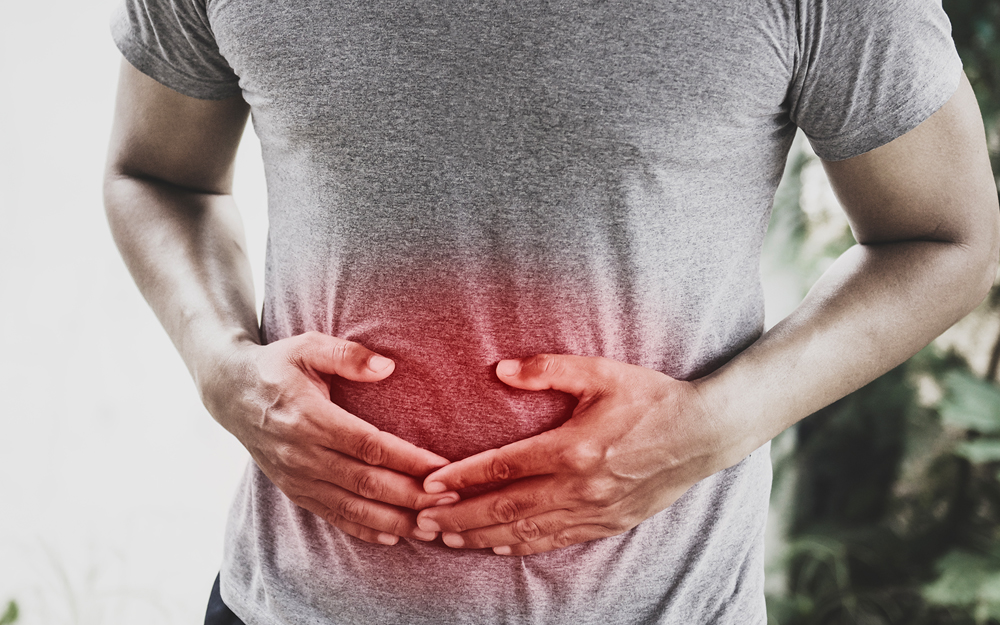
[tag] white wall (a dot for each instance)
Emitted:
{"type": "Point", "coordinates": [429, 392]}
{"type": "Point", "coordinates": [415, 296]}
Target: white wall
{"type": "Point", "coordinates": [114, 481]}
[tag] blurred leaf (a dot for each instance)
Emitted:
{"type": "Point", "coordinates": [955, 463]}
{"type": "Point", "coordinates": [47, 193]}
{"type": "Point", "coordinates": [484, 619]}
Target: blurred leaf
{"type": "Point", "coordinates": [971, 403]}
{"type": "Point", "coordinates": [10, 614]}
{"type": "Point", "coordinates": [989, 588]}
{"type": "Point", "coordinates": [817, 554]}
{"type": "Point", "coordinates": [980, 450]}
{"type": "Point", "coordinates": [986, 612]}
{"type": "Point", "coordinates": [966, 579]}
{"type": "Point", "coordinates": [894, 517]}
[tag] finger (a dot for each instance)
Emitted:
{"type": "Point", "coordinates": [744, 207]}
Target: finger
{"type": "Point", "coordinates": [378, 483]}
{"type": "Point", "coordinates": [525, 530]}
{"type": "Point", "coordinates": [580, 376]}
{"type": "Point", "coordinates": [359, 439]}
{"type": "Point", "coordinates": [520, 500]}
{"type": "Point", "coordinates": [537, 455]}
{"type": "Point", "coordinates": [342, 508]}
{"type": "Point", "coordinates": [336, 356]}
{"type": "Point", "coordinates": [356, 530]}
{"type": "Point", "coordinates": [559, 540]}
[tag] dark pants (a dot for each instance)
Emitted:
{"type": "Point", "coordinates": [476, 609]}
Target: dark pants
{"type": "Point", "coordinates": [218, 613]}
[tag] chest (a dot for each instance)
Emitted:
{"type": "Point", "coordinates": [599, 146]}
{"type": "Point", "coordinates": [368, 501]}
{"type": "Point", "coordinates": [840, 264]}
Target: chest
{"type": "Point", "coordinates": [472, 75]}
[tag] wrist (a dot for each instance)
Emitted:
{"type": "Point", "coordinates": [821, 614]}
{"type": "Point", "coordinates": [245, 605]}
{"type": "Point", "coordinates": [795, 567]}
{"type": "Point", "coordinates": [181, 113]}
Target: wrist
{"type": "Point", "coordinates": [737, 431]}
{"type": "Point", "coordinates": [216, 364]}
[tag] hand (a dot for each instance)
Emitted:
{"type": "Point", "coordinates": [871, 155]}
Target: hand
{"type": "Point", "coordinates": [275, 400]}
{"type": "Point", "coordinates": [636, 442]}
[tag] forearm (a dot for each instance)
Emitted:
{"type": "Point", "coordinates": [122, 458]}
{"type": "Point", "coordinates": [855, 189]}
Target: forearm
{"type": "Point", "coordinates": [874, 308]}
{"type": "Point", "coordinates": [186, 251]}
{"type": "Point", "coordinates": [923, 208]}
{"type": "Point", "coordinates": [168, 199]}
{"type": "Point", "coordinates": [167, 191]}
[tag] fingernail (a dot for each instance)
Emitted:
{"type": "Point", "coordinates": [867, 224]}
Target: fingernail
{"type": "Point", "coordinates": [447, 499]}
{"type": "Point", "coordinates": [378, 363]}
{"type": "Point", "coordinates": [434, 488]}
{"type": "Point", "coordinates": [508, 367]}
{"type": "Point", "coordinates": [503, 550]}
{"type": "Point", "coordinates": [422, 535]}
{"type": "Point", "coordinates": [387, 539]}
{"type": "Point", "coordinates": [453, 540]}
{"type": "Point", "coordinates": [428, 525]}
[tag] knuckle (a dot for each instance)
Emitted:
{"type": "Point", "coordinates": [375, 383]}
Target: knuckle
{"type": "Point", "coordinates": [365, 483]}
{"type": "Point", "coordinates": [398, 526]}
{"type": "Point", "coordinates": [527, 531]}
{"type": "Point", "coordinates": [598, 492]}
{"type": "Point", "coordinates": [289, 458]}
{"type": "Point", "coordinates": [504, 510]}
{"type": "Point", "coordinates": [562, 539]}
{"type": "Point", "coordinates": [340, 351]}
{"type": "Point", "coordinates": [350, 508]}
{"type": "Point", "coordinates": [498, 469]}
{"type": "Point", "coordinates": [547, 364]}
{"type": "Point", "coordinates": [459, 525]}
{"type": "Point", "coordinates": [583, 456]}
{"type": "Point", "coordinates": [369, 449]}
{"type": "Point", "coordinates": [334, 519]}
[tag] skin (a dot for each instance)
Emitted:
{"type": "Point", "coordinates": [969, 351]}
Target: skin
{"type": "Point", "coordinates": [168, 199]}
{"type": "Point", "coordinates": [923, 209]}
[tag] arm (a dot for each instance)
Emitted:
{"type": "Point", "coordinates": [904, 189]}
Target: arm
{"type": "Point", "coordinates": [924, 211]}
{"type": "Point", "coordinates": [168, 200]}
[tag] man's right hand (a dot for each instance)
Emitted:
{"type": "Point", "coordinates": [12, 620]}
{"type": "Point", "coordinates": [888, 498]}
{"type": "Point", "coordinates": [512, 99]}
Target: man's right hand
{"type": "Point", "coordinates": [275, 400]}
{"type": "Point", "coordinates": [168, 198]}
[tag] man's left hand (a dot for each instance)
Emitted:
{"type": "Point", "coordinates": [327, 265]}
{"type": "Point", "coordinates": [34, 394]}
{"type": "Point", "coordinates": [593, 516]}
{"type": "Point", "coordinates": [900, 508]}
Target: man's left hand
{"type": "Point", "coordinates": [637, 440]}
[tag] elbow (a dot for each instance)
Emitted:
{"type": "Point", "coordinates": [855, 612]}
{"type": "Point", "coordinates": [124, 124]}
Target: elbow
{"type": "Point", "coordinates": [984, 253]}
{"type": "Point", "coordinates": [993, 258]}
{"type": "Point", "coordinates": [122, 201]}
{"type": "Point", "coordinates": [114, 196]}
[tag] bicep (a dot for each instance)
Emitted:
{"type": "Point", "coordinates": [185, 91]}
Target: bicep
{"type": "Point", "coordinates": [163, 135]}
{"type": "Point", "coordinates": [934, 183]}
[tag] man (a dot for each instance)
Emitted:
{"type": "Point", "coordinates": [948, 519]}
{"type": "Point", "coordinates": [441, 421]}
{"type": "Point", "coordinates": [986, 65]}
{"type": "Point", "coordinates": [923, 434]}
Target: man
{"type": "Point", "coordinates": [511, 366]}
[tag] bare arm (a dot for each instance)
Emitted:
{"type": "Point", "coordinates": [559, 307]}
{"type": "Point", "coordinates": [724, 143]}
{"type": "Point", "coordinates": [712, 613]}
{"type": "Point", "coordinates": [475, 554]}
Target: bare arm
{"type": "Point", "coordinates": [168, 200]}
{"type": "Point", "coordinates": [924, 210]}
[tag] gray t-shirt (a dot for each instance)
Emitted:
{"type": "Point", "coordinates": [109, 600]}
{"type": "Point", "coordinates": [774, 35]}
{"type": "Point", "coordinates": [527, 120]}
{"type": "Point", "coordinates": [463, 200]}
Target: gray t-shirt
{"type": "Point", "coordinates": [452, 182]}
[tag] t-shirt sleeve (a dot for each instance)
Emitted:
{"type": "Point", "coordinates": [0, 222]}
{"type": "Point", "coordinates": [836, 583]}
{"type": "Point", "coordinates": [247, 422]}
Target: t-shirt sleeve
{"type": "Point", "coordinates": [867, 72]}
{"type": "Point", "coordinates": [172, 42]}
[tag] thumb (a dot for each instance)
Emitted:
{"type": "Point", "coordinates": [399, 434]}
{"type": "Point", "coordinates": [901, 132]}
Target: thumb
{"type": "Point", "coordinates": [577, 375]}
{"type": "Point", "coordinates": [350, 360]}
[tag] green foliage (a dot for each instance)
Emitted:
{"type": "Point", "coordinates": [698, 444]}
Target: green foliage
{"type": "Point", "coordinates": [980, 450]}
{"type": "Point", "coordinates": [968, 580]}
{"type": "Point", "coordinates": [895, 515]}
{"type": "Point", "coordinates": [897, 510]}
{"type": "Point", "coordinates": [971, 404]}
{"type": "Point", "coordinates": [976, 29]}
{"type": "Point", "coordinates": [10, 614]}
